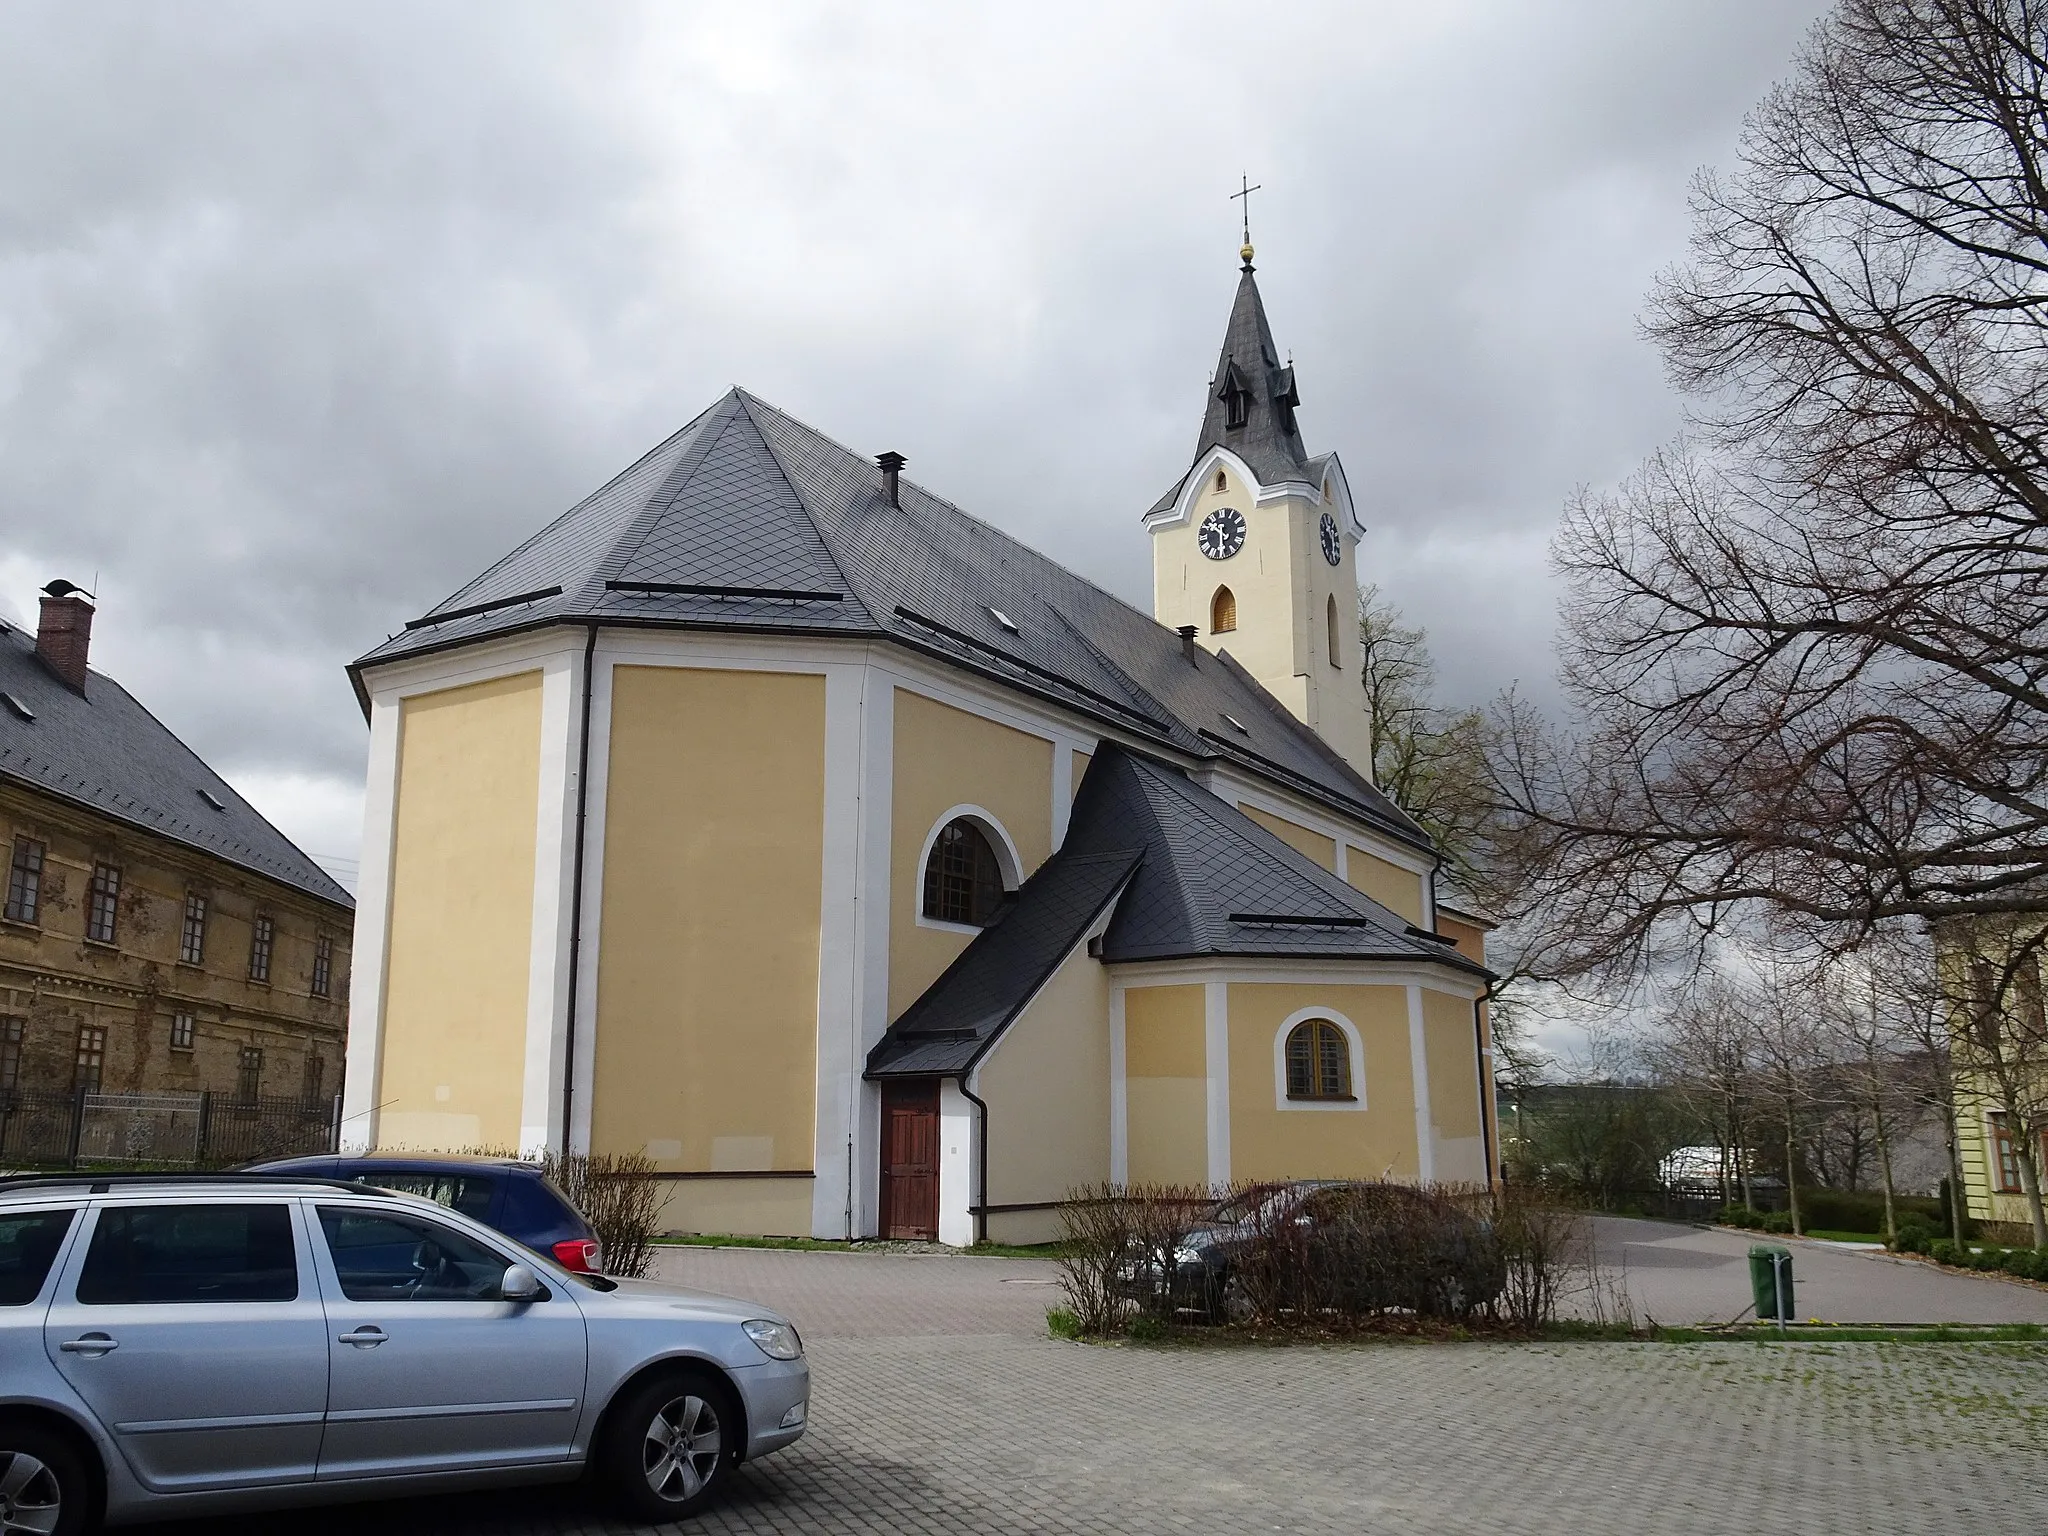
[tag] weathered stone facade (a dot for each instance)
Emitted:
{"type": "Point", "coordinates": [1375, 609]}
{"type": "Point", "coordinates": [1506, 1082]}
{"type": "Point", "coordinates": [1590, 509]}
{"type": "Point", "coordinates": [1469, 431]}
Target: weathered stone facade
{"type": "Point", "coordinates": [57, 983]}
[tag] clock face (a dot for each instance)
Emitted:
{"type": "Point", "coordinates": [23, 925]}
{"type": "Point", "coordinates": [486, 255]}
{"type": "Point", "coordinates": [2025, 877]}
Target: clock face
{"type": "Point", "coordinates": [1222, 533]}
{"type": "Point", "coordinates": [1333, 546]}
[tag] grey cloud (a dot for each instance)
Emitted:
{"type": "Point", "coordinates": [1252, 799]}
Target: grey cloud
{"type": "Point", "coordinates": [308, 312]}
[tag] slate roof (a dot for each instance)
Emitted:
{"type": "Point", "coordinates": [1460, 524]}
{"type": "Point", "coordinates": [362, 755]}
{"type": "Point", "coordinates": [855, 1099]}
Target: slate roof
{"type": "Point", "coordinates": [1192, 877]}
{"type": "Point", "coordinates": [960, 1015]}
{"type": "Point", "coordinates": [748, 519]}
{"type": "Point", "coordinates": [1269, 436]}
{"type": "Point", "coordinates": [109, 754]}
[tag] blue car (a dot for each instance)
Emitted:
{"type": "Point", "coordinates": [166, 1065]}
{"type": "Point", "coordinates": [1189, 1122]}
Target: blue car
{"type": "Point", "coordinates": [514, 1197]}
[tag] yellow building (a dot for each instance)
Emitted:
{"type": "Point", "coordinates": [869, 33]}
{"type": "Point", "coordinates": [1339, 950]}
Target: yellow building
{"type": "Point", "coordinates": [870, 872]}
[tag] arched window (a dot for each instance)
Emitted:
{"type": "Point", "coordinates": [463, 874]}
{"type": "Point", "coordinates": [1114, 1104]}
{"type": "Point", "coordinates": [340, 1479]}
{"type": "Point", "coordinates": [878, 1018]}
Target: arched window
{"type": "Point", "coordinates": [1318, 1061]}
{"type": "Point", "coordinates": [963, 882]}
{"type": "Point", "coordinates": [1330, 623]}
{"type": "Point", "coordinates": [1222, 481]}
{"type": "Point", "coordinates": [1222, 612]}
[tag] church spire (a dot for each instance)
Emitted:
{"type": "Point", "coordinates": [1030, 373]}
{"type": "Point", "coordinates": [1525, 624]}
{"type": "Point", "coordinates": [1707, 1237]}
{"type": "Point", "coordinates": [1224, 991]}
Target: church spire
{"type": "Point", "coordinates": [1252, 398]}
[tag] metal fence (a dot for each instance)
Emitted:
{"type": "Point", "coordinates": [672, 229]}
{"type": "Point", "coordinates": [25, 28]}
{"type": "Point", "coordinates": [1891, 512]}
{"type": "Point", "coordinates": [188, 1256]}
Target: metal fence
{"type": "Point", "coordinates": [161, 1130]}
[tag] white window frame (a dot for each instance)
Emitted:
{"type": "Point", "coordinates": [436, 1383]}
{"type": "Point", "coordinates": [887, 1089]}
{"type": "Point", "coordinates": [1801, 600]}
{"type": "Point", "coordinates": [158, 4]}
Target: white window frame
{"type": "Point", "coordinates": [1008, 861]}
{"type": "Point", "coordinates": [1354, 1042]}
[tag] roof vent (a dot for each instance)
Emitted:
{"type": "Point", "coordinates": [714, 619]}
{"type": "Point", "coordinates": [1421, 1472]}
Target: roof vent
{"type": "Point", "coordinates": [18, 707]}
{"type": "Point", "coordinates": [213, 800]}
{"type": "Point", "coordinates": [891, 464]}
{"type": "Point", "coordinates": [1236, 725]}
{"type": "Point", "coordinates": [1188, 647]}
{"type": "Point", "coordinates": [1004, 619]}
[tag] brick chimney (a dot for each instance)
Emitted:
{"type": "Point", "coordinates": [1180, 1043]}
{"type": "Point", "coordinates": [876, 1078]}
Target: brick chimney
{"type": "Point", "coordinates": [64, 635]}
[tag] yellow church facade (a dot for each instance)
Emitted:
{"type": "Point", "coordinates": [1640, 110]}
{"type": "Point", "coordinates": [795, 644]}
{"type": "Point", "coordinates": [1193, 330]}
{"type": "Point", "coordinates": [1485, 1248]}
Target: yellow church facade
{"type": "Point", "coordinates": [870, 873]}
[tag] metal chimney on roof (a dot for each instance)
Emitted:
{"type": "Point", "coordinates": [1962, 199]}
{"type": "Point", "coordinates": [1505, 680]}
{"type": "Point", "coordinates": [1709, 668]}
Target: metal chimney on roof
{"type": "Point", "coordinates": [1187, 634]}
{"type": "Point", "coordinates": [892, 465]}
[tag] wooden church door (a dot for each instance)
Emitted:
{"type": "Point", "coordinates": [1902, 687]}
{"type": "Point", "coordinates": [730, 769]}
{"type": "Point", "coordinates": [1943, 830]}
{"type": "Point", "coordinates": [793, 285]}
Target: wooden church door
{"type": "Point", "coordinates": [910, 1159]}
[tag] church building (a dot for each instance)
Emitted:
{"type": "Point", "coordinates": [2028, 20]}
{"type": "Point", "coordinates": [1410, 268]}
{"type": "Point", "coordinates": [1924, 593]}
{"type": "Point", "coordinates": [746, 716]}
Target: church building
{"type": "Point", "coordinates": [871, 873]}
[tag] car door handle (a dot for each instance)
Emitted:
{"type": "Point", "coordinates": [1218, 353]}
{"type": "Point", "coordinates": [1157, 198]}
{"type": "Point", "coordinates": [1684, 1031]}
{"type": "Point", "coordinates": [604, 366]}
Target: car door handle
{"type": "Point", "coordinates": [90, 1344]}
{"type": "Point", "coordinates": [368, 1336]}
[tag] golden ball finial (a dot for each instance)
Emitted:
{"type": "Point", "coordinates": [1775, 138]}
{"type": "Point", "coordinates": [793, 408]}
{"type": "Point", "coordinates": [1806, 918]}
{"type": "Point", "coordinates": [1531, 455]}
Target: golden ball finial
{"type": "Point", "coordinates": [1244, 253]}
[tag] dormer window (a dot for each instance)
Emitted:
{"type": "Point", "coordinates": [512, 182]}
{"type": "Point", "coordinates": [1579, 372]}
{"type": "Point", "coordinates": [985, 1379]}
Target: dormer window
{"type": "Point", "coordinates": [1235, 391]}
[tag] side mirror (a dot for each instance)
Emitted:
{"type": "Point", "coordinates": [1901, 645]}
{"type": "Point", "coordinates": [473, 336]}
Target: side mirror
{"type": "Point", "coordinates": [519, 1284]}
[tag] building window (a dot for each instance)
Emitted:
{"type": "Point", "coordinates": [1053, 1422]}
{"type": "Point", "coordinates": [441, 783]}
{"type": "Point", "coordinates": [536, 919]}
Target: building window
{"type": "Point", "coordinates": [183, 1030]}
{"type": "Point", "coordinates": [11, 1032]}
{"type": "Point", "coordinates": [963, 882]}
{"type": "Point", "coordinates": [103, 903]}
{"type": "Point", "coordinates": [249, 1074]}
{"type": "Point", "coordinates": [92, 1059]}
{"type": "Point", "coordinates": [2005, 1157]}
{"type": "Point", "coordinates": [1222, 612]}
{"type": "Point", "coordinates": [1318, 1061]}
{"type": "Point", "coordinates": [323, 965]}
{"type": "Point", "coordinates": [1330, 623]}
{"type": "Point", "coordinates": [1222, 481]}
{"type": "Point", "coordinates": [316, 1071]}
{"type": "Point", "coordinates": [25, 881]}
{"type": "Point", "coordinates": [192, 942]}
{"type": "Point", "coordinates": [261, 937]}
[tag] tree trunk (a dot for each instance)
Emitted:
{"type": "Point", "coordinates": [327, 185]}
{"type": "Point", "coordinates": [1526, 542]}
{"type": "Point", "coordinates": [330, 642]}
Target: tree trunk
{"type": "Point", "coordinates": [1792, 1168]}
{"type": "Point", "coordinates": [1884, 1168]}
{"type": "Point", "coordinates": [1956, 1195]}
{"type": "Point", "coordinates": [2025, 1145]}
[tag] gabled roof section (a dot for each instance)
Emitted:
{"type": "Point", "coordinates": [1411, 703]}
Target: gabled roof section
{"type": "Point", "coordinates": [960, 1015]}
{"type": "Point", "coordinates": [104, 752]}
{"type": "Point", "coordinates": [1214, 882]}
{"type": "Point", "coordinates": [749, 519]}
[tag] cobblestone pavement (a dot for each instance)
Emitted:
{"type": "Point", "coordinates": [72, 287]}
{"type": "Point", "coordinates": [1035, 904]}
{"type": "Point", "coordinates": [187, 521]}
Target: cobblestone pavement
{"type": "Point", "coordinates": [942, 1407]}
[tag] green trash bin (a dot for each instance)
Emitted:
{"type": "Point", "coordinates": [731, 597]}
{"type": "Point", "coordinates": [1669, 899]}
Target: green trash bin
{"type": "Point", "coordinates": [1770, 1282]}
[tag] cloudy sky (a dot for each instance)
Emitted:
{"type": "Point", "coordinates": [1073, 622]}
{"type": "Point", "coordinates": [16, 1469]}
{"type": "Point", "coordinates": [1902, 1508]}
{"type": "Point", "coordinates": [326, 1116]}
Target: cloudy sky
{"type": "Point", "coordinates": [309, 312]}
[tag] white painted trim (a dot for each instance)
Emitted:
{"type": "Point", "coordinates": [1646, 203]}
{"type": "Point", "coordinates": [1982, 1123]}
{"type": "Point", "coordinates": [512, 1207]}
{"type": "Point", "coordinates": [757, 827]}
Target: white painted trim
{"type": "Point", "coordinates": [1334, 467]}
{"type": "Point", "coordinates": [584, 1065]}
{"type": "Point", "coordinates": [1418, 1062]}
{"type": "Point", "coordinates": [1119, 1094]}
{"type": "Point", "coordinates": [1321, 973]}
{"type": "Point", "coordinates": [370, 943]}
{"type": "Point", "coordinates": [838, 1055]}
{"type": "Point", "coordinates": [1216, 1060]}
{"type": "Point", "coordinates": [959, 1151]}
{"type": "Point", "coordinates": [554, 833]}
{"type": "Point", "coordinates": [1062, 787]}
{"type": "Point", "coordinates": [481, 662]}
{"type": "Point", "coordinates": [1355, 1047]}
{"type": "Point", "coordinates": [1197, 483]}
{"type": "Point", "coordinates": [871, 970]}
{"type": "Point", "coordinates": [1005, 851]}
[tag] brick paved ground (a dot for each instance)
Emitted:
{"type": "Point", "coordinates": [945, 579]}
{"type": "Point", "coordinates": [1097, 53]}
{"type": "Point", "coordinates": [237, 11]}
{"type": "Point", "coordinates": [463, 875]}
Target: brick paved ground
{"type": "Point", "coordinates": [941, 1407]}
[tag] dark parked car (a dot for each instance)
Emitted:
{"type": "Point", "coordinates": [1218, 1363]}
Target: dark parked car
{"type": "Point", "coordinates": [1362, 1247]}
{"type": "Point", "coordinates": [501, 1192]}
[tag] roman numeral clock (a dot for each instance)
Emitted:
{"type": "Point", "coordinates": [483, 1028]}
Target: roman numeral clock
{"type": "Point", "coordinates": [1221, 534]}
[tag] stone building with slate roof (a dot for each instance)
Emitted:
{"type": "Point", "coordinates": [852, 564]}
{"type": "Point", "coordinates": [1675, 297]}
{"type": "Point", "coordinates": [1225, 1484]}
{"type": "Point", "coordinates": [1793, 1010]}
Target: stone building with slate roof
{"type": "Point", "coordinates": [870, 872]}
{"type": "Point", "coordinates": [159, 936]}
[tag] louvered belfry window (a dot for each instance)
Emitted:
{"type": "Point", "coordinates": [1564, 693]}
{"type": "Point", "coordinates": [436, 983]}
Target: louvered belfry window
{"type": "Point", "coordinates": [1318, 1061]}
{"type": "Point", "coordinates": [963, 882]}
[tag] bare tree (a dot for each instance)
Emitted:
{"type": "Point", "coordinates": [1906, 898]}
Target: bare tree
{"type": "Point", "coordinates": [1702, 1049]}
{"type": "Point", "coordinates": [1808, 644]}
{"type": "Point", "coordinates": [1425, 756]}
{"type": "Point", "coordinates": [1914, 1012]}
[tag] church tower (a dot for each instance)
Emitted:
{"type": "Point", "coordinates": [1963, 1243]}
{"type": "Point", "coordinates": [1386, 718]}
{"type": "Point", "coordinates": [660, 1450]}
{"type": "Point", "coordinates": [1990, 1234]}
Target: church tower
{"type": "Point", "coordinates": [1256, 547]}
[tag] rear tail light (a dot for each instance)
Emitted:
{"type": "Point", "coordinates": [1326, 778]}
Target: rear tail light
{"type": "Point", "coordinates": [581, 1254]}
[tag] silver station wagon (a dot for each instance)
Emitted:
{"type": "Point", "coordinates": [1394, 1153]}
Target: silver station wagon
{"type": "Point", "coordinates": [178, 1346]}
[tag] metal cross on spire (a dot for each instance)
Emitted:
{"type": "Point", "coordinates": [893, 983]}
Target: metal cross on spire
{"type": "Point", "coordinates": [1244, 192]}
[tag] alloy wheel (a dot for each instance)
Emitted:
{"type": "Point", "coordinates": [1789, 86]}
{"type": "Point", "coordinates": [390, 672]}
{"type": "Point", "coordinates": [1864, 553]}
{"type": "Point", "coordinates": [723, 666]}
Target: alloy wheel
{"type": "Point", "coordinates": [31, 1500]}
{"type": "Point", "coordinates": [681, 1449]}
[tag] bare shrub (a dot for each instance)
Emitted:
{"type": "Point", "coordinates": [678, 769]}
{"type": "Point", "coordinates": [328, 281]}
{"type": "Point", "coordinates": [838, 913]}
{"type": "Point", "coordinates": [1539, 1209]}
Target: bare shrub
{"type": "Point", "coordinates": [1357, 1252]}
{"type": "Point", "coordinates": [620, 1198]}
{"type": "Point", "coordinates": [1095, 1246]}
{"type": "Point", "coordinates": [1161, 1218]}
{"type": "Point", "coordinates": [1544, 1246]}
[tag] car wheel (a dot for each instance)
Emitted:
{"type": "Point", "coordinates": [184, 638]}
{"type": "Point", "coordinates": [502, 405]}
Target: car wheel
{"type": "Point", "coordinates": [670, 1443]}
{"type": "Point", "coordinates": [43, 1482]}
